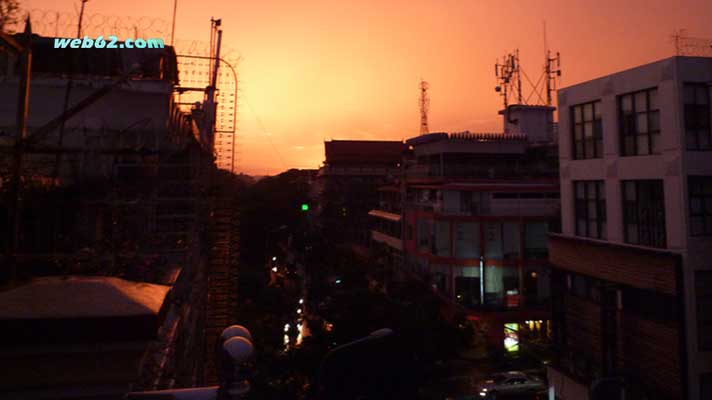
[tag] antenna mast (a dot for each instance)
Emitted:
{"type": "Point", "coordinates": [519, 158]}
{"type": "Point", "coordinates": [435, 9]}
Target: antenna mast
{"type": "Point", "coordinates": [552, 69]}
{"type": "Point", "coordinates": [509, 77]}
{"type": "Point", "coordinates": [424, 106]}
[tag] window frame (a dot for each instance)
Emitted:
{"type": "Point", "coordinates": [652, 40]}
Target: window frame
{"type": "Point", "coordinates": [705, 212]}
{"type": "Point", "coordinates": [636, 206]}
{"type": "Point", "coordinates": [686, 117]}
{"type": "Point", "coordinates": [652, 135]}
{"type": "Point", "coordinates": [599, 197]}
{"type": "Point", "coordinates": [597, 130]}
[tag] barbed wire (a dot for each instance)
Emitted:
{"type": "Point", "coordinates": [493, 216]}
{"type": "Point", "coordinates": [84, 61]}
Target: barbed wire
{"type": "Point", "coordinates": [64, 24]}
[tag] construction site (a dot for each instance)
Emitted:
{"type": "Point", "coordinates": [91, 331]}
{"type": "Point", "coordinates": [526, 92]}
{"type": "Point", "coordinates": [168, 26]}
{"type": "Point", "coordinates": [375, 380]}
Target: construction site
{"type": "Point", "coordinates": [122, 234]}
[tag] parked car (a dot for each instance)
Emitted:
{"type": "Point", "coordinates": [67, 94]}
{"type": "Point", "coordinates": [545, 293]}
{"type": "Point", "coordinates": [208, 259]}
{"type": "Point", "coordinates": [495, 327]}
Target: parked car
{"type": "Point", "coordinates": [509, 383]}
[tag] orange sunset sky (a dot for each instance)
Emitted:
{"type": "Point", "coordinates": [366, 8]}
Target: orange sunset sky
{"type": "Point", "coordinates": [332, 69]}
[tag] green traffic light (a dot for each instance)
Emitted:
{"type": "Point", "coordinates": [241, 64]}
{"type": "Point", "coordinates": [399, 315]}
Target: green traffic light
{"type": "Point", "coordinates": [305, 207]}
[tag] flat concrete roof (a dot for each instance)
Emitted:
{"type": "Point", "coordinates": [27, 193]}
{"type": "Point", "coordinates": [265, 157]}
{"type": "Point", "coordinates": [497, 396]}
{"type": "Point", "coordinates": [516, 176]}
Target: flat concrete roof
{"type": "Point", "coordinates": [81, 297]}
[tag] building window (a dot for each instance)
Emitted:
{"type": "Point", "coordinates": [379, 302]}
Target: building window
{"type": "Point", "coordinates": [639, 123]}
{"type": "Point", "coordinates": [590, 209]}
{"type": "Point", "coordinates": [698, 134]}
{"type": "Point", "coordinates": [644, 212]}
{"type": "Point", "coordinates": [587, 131]}
{"type": "Point", "coordinates": [700, 193]}
{"type": "Point", "coordinates": [703, 294]}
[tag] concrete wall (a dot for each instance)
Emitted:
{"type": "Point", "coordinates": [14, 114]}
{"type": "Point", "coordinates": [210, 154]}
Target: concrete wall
{"type": "Point", "coordinates": [140, 105]}
{"type": "Point", "coordinates": [673, 166]}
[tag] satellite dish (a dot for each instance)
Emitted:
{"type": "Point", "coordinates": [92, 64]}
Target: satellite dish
{"type": "Point", "coordinates": [235, 331]}
{"type": "Point", "coordinates": [239, 349]}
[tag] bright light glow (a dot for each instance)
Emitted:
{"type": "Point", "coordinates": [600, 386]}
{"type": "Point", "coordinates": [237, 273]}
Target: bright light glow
{"type": "Point", "coordinates": [299, 326]}
{"type": "Point", "coordinates": [483, 394]}
{"type": "Point", "coordinates": [299, 310]}
{"type": "Point", "coordinates": [274, 269]}
{"type": "Point", "coordinates": [301, 301]}
{"type": "Point", "coordinates": [511, 337]}
{"type": "Point", "coordinates": [338, 281]}
{"type": "Point", "coordinates": [286, 327]}
{"type": "Point", "coordinates": [274, 258]}
{"type": "Point", "coordinates": [511, 344]}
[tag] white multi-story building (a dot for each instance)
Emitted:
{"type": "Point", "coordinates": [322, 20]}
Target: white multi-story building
{"type": "Point", "coordinates": [632, 270]}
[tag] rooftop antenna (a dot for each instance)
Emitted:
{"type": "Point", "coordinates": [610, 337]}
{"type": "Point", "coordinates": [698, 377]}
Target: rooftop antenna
{"type": "Point", "coordinates": [552, 69]}
{"type": "Point", "coordinates": [424, 106]}
{"type": "Point", "coordinates": [509, 77]}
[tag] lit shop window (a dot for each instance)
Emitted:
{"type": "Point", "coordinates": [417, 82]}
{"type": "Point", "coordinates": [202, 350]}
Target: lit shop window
{"type": "Point", "coordinates": [511, 337]}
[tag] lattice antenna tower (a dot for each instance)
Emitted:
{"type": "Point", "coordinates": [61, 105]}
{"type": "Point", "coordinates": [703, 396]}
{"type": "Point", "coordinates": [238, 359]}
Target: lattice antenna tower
{"type": "Point", "coordinates": [509, 78]}
{"type": "Point", "coordinates": [424, 107]}
{"type": "Point", "coordinates": [552, 72]}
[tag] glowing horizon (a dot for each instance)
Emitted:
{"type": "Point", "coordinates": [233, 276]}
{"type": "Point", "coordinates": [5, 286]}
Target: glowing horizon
{"type": "Point", "coordinates": [316, 70]}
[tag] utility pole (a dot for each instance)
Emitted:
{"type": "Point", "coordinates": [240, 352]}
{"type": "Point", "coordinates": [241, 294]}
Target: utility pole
{"type": "Point", "coordinates": [67, 96]}
{"type": "Point", "coordinates": [173, 27]}
{"type": "Point", "coordinates": [81, 16]}
{"type": "Point", "coordinates": [24, 52]}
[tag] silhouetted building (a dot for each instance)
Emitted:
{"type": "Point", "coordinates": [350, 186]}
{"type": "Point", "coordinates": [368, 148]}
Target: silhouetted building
{"type": "Point", "coordinates": [346, 186]}
{"type": "Point", "coordinates": [112, 183]}
{"type": "Point", "coordinates": [632, 280]}
{"type": "Point", "coordinates": [76, 337]}
{"type": "Point", "coordinates": [472, 221]}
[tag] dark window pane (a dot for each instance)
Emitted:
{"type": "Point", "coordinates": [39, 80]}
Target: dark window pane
{"type": "Point", "coordinates": [579, 150]}
{"type": "Point", "coordinates": [643, 144]}
{"type": "Point", "coordinates": [587, 208]}
{"type": "Point", "coordinates": [629, 145]}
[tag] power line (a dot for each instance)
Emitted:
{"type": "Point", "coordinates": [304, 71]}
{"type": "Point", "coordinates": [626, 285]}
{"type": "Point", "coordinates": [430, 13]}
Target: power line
{"type": "Point", "coordinates": [264, 130]}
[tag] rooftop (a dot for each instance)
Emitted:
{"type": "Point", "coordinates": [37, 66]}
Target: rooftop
{"type": "Point", "coordinates": [363, 151]}
{"type": "Point", "coordinates": [81, 297]}
{"type": "Point", "coordinates": [637, 67]}
{"type": "Point", "coordinates": [154, 64]}
{"type": "Point", "coordinates": [465, 136]}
